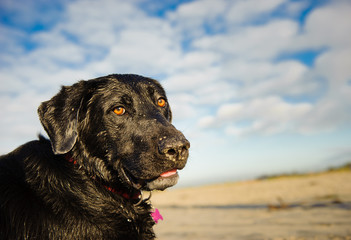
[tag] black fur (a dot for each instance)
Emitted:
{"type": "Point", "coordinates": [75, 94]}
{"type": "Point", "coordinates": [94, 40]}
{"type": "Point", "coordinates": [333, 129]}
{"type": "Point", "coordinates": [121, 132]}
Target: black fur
{"type": "Point", "coordinates": [43, 195]}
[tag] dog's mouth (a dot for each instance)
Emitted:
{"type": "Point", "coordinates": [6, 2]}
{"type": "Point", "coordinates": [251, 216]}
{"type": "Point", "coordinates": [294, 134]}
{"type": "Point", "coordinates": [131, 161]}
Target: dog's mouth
{"type": "Point", "coordinates": [164, 180]}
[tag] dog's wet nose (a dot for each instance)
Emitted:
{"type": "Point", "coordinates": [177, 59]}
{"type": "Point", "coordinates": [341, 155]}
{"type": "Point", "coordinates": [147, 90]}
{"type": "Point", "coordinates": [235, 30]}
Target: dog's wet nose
{"type": "Point", "coordinates": [174, 148]}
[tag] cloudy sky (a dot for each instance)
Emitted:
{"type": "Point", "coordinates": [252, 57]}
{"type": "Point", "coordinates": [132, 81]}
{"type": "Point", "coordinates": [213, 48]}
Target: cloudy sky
{"type": "Point", "coordinates": [258, 87]}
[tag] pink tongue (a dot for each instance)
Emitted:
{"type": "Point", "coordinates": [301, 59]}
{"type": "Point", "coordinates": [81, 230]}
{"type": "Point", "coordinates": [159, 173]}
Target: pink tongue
{"type": "Point", "coordinates": [169, 173]}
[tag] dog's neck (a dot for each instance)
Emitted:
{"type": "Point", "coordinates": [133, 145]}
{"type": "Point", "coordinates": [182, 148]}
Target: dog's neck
{"type": "Point", "coordinates": [135, 195]}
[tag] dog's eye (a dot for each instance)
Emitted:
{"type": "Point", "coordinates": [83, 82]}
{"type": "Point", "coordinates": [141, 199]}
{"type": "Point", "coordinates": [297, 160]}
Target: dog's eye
{"type": "Point", "coordinates": [119, 110]}
{"type": "Point", "coordinates": [161, 102]}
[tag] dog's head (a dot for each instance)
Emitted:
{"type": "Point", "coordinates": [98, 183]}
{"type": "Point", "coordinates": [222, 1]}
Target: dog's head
{"type": "Point", "coordinates": [119, 129]}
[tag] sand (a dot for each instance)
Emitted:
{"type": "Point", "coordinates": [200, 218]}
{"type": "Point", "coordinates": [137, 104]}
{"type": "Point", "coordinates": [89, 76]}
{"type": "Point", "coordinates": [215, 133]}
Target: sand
{"type": "Point", "coordinates": [315, 206]}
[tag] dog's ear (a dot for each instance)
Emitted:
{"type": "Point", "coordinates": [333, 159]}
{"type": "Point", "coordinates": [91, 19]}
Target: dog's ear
{"type": "Point", "coordinates": [59, 117]}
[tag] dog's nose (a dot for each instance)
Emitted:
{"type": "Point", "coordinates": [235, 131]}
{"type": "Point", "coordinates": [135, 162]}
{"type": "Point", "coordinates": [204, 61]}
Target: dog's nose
{"type": "Point", "coordinates": [174, 148]}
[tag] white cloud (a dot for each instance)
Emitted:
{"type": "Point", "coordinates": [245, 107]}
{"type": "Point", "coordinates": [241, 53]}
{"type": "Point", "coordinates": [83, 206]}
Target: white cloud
{"type": "Point", "coordinates": [197, 60]}
{"type": "Point", "coordinates": [335, 65]}
{"type": "Point", "coordinates": [252, 42]}
{"type": "Point", "coordinates": [329, 26]}
{"type": "Point", "coordinates": [190, 80]}
{"type": "Point", "coordinates": [230, 111]}
{"type": "Point", "coordinates": [19, 119]}
{"type": "Point", "coordinates": [97, 39]}
{"type": "Point", "coordinates": [26, 13]}
{"type": "Point", "coordinates": [99, 23]}
{"type": "Point", "coordinates": [9, 40]}
{"type": "Point", "coordinates": [288, 78]}
{"type": "Point", "coordinates": [183, 106]}
{"type": "Point", "coordinates": [189, 18]}
{"type": "Point", "coordinates": [146, 50]}
{"type": "Point", "coordinates": [247, 55]}
{"type": "Point", "coordinates": [246, 10]}
{"type": "Point", "coordinates": [293, 9]}
{"type": "Point", "coordinates": [268, 115]}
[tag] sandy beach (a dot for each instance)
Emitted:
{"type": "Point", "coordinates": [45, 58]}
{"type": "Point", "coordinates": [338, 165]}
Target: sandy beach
{"type": "Point", "coordinates": [314, 206]}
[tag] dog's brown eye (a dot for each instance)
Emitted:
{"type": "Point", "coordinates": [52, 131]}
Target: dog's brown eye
{"type": "Point", "coordinates": [161, 102]}
{"type": "Point", "coordinates": [119, 110]}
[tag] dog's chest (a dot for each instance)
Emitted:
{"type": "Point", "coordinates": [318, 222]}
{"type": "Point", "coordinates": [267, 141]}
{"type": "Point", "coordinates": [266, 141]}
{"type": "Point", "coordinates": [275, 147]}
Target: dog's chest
{"type": "Point", "coordinates": [123, 225]}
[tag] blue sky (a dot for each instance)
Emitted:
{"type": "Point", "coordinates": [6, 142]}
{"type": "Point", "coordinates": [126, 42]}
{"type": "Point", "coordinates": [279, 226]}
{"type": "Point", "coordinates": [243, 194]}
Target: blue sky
{"type": "Point", "coordinates": [258, 87]}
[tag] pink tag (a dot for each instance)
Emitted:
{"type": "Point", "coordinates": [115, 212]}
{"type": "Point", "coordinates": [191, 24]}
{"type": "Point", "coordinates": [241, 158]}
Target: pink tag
{"type": "Point", "coordinates": [156, 215]}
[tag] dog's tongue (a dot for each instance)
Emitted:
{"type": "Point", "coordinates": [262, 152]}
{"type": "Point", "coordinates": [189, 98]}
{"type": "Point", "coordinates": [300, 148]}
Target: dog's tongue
{"type": "Point", "coordinates": [169, 173]}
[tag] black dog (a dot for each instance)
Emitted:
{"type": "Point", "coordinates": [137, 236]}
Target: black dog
{"type": "Point", "coordinates": [110, 138]}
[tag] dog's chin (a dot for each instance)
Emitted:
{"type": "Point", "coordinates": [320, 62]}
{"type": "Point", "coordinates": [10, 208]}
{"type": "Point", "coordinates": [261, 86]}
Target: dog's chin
{"type": "Point", "coordinates": [165, 180]}
{"type": "Point", "coordinates": [161, 183]}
